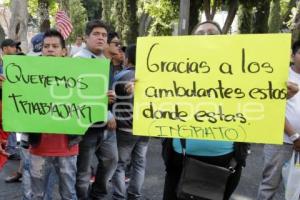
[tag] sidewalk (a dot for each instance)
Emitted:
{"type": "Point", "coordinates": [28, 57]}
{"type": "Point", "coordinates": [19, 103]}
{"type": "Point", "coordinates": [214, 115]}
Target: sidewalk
{"type": "Point", "coordinates": [154, 181]}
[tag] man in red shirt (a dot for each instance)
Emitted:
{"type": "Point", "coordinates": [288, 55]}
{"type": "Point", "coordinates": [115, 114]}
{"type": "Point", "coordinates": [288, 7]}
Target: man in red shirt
{"type": "Point", "coordinates": [53, 150]}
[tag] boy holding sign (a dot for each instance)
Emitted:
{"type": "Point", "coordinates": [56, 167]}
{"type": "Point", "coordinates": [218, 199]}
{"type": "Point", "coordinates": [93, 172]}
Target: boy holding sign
{"type": "Point", "coordinates": [53, 150]}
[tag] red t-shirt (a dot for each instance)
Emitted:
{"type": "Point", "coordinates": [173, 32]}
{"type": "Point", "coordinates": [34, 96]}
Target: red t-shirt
{"type": "Point", "coordinates": [54, 145]}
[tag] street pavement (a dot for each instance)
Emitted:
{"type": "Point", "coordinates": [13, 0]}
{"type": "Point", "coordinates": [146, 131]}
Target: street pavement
{"type": "Point", "coordinates": [154, 180]}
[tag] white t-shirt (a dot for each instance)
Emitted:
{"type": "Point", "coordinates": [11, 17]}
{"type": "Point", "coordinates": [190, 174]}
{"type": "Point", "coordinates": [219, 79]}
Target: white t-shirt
{"type": "Point", "coordinates": [293, 107]}
{"type": "Point", "coordinates": [75, 49]}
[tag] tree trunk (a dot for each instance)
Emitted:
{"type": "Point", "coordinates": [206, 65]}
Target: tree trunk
{"type": "Point", "coordinates": [130, 32]}
{"type": "Point", "coordinates": [233, 7]}
{"type": "Point", "coordinates": [296, 28]}
{"type": "Point", "coordinates": [119, 18]}
{"type": "Point", "coordinates": [64, 5]}
{"type": "Point", "coordinates": [18, 22]}
{"type": "Point", "coordinates": [106, 11]}
{"type": "Point", "coordinates": [245, 18]}
{"type": "Point", "coordinates": [206, 6]}
{"type": "Point", "coordinates": [144, 25]}
{"type": "Point", "coordinates": [2, 33]}
{"type": "Point", "coordinates": [43, 10]}
{"type": "Point", "coordinates": [275, 20]}
{"type": "Point", "coordinates": [195, 6]}
{"type": "Point", "coordinates": [214, 9]}
{"type": "Point", "coordinates": [94, 9]}
{"type": "Point", "coordinates": [260, 23]}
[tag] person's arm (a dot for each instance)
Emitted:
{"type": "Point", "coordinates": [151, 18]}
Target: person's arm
{"type": "Point", "coordinates": [293, 135]}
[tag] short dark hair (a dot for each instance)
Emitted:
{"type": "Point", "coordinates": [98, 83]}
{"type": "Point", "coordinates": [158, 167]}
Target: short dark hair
{"type": "Point", "coordinates": [55, 33]}
{"type": "Point", "coordinates": [296, 47]}
{"type": "Point", "coordinates": [9, 42]}
{"type": "Point", "coordinates": [208, 22]}
{"type": "Point", "coordinates": [111, 36]}
{"type": "Point", "coordinates": [130, 53]}
{"type": "Point", "coordinates": [94, 24]}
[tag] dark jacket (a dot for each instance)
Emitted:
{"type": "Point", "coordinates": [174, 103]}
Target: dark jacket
{"type": "Point", "coordinates": [123, 107]}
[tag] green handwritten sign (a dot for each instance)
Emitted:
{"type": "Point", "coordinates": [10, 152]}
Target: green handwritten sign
{"type": "Point", "coordinates": [54, 94]}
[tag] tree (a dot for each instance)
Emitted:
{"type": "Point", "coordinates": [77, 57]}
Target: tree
{"type": "Point", "coordinates": [18, 22]}
{"type": "Point", "coordinates": [232, 10]}
{"type": "Point", "coordinates": [94, 8]}
{"type": "Point", "coordinates": [40, 12]}
{"type": "Point", "coordinates": [296, 24]}
{"type": "Point", "coordinates": [43, 15]}
{"type": "Point", "coordinates": [65, 4]}
{"type": "Point", "coordinates": [2, 33]}
{"type": "Point", "coordinates": [119, 20]}
{"type": "Point", "coordinates": [275, 20]}
{"type": "Point", "coordinates": [210, 10]}
{"type": "Point", "coordinates": [286, 12]}
{"type": "Point", "coordinates": [106, 11]}
{"type": "Point", "coordinates": [211, 7]}
{"type": "Point", "coordinates": [130, 31]}
{"type": "Point", "coordinates": [195, 7]}
{"type": "Point", "coordinates": [261, 15]}
{"type": "Point", "coordinates": [245, 17]}
{"type": "Point", "coordinates": [78, 17]}
{"type": "Point", "coordinates": [164, 14]}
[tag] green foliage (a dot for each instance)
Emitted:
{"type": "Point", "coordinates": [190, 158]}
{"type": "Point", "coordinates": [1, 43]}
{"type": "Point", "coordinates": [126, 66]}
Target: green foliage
{"type": "Point", "coordinates": [94, 8]}
{"type": "Point", "coordinates": [275, 20]}
{"type": "Point", "coordinates": [284, 6]}
{"type": "Point", "coordinates": [117, 17]}
{"type": "Point", "coordinates": [106, 11]}
{"type": "Point", "coordinates": [261, 16]}
{"type": "Point", "coordinates": [33, 7]}
{"type": "Point", "coordinates": [245, 16]}
{"type": "Point", "coordinates": [130, 30]}
{"type": "Point", "coordinates": [78, 16]}
{"type": "Point", "coordinates": [164, 14]}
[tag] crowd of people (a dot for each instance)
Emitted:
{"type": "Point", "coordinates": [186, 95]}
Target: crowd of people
{"type": "Point", "coordinates": [66, 160]}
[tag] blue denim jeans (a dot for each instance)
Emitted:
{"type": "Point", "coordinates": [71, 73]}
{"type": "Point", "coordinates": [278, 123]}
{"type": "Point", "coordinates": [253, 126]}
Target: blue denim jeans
{"type": "Point", "coordinates": [101, 142]}
{"type": "Point", "coordinates": [40, 173]}
{"type": "Point", "coordinates": [11, 146]}
{"type": "Point", "coordinates": [130, 148]}
{"type": "Point", "coordinates": [26, 181]}
{"type": "Point", "coordinates": [26, 184]}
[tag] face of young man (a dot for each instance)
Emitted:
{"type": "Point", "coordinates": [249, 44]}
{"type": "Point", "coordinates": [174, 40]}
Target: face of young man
{"type": "Point", "coordinates": [114, 46]}
{"type": "Point", "coordinates": [97, 40]}
{"type": "Point", "coordinates": [52, 47]}
{"type": "Point", "coordinates": [119, 57]}
{"type": "Point", "coordinates": [9, 50]}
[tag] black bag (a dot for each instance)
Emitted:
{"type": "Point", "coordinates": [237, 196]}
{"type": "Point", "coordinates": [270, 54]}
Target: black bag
{"type": "Point", "coordinates": [201, 181]}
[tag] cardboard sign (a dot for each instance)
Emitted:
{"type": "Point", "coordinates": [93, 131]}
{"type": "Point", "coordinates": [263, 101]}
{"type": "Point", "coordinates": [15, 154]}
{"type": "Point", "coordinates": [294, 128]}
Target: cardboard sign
{"type": "Point", "coordinates": [221, 87]}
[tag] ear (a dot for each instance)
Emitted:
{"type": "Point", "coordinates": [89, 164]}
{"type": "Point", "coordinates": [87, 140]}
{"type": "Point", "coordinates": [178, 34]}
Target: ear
{"type": "Point", "coordinates": [292, 57]}
{"type": "Point", "coordinates": [4, 49]}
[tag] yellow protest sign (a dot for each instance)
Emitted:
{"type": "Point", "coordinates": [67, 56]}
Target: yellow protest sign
{"type": "Point", "coordinates": [230, 88]}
